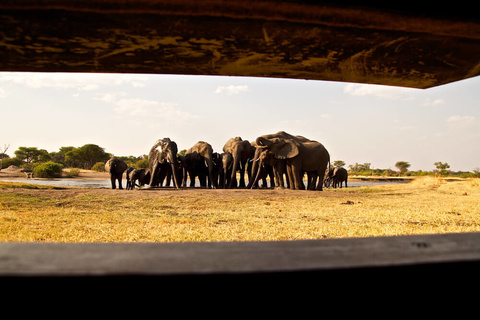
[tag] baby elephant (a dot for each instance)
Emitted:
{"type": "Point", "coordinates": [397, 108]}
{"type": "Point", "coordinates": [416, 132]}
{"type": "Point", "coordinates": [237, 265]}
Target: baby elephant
{"type": "Point", "coordinates": [338, 176]}
{"type": "Point", "coordinates": [142, 175]}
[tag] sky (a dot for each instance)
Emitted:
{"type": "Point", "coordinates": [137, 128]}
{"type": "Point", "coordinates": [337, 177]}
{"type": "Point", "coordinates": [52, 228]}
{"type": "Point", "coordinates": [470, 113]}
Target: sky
{"type": "Point", "coordinates": [126, 113]}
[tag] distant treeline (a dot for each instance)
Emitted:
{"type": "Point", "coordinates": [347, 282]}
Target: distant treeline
{"type": "Point", "coordinates": [440, 168]}
{"type": "Point", "coordinates": [93, 157]}
{"type": "Point", "coordinates": [89, 156]}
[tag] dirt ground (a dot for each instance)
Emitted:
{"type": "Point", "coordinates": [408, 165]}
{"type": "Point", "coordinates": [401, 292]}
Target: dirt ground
{"type": "Point", "coordinates": [16, 173]}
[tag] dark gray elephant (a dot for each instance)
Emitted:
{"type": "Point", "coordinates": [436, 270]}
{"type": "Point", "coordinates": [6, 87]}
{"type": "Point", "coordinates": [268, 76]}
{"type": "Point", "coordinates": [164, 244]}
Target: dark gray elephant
{"type": "Point", "coordinates": [336, 177]}
{"type": "Point", "coordinates": [227, 164]}
{"type": "Point", "coordinates": [128, 175]}
{"type": "Point", "coordinates": [217, 169]}
{"type": "Point", "coordinates": [193, 168]}
{"type": "Point", "coordinates": [242, 151]}
{"type": "Point", "coordinates": [163, 162]}
{"type": "Point", "coordinates": [140, 175]}
{"type": "Point", "coordinates": [302, 155]}
{"type": "Point", "coordinates": [265, 165]}
{"type": "Point", "coordinates": [201, 152]}
{"type": "Point", "coordinates": [116, 168]}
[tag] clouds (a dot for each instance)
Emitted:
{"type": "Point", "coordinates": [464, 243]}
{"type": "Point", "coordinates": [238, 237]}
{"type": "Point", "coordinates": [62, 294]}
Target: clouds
{"type": "Point", "coordinates": [459, 121]}
{"type": "Point", "coordinates": [231, 90]}
{"type": "Point", "coordinates": [432, 103]}
{"type": "Point", "coordinates": [77, 81]}
{"type": "Point", "coordinates": [383, 92]}
{"type": "Point", "coordinates": [145, 108]}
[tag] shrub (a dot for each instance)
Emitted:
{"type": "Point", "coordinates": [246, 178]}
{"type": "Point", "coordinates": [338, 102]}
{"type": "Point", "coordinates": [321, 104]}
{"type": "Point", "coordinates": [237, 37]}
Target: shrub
{"type": "Point", "coordinates": [99, 166]}
{"type": "Point", "coordinates": [142, 164]}
{"type": "Point", "coordinates": [72, 172]}
{"type": "Point", "coordinates": [48, 170]}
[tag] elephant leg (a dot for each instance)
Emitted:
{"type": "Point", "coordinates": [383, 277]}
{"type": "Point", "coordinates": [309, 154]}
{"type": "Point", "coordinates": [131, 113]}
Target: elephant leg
{"type": "Point", "coordinates": [168, 177]}
{"type": "Point", "coordinates": [203, 181]}
{"type": "Point", "coordinates": [290, 177]}
{"type": "Point", "coordinates": [112, 180]}
{"type": "Point", "coordinates": [184, 178]}
{"type": "Point", "coordinates": [242, 176]}
{"type": "Point", "coordinates": [279, 177]}
{"type": "Point", "coordinates": [297, 177]}
{"type": "Point", "coordinates": [321, 176]}
{"type": "Point", "coordinates": [119, 178]}
{"type": "Point", "coordinates": [192, 179]}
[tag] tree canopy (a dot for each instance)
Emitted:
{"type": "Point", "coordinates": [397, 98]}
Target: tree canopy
{"type": "Point", "coordinates": [86, 156]}
{"type": "Point", "coordinates": [402, 166]}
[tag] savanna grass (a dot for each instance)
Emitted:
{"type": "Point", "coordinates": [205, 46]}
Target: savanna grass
{"type": "Point", "coordinates": [424, 206]}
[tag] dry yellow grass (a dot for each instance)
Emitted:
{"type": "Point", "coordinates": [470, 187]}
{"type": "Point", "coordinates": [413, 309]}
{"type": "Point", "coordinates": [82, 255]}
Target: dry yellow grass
{"type": "Point", "coordinates": [424, 206]}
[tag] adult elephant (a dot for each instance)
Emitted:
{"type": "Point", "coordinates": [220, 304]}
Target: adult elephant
{"type": "Point", "coordinates": [163, 157]}
{"type": "Point", "coordinates": [193, 167]}
{"type": "Point", "coordinates": [265, 165]}
{"type": "Point", "coordinates": [262, 157]}
{"type": "Point", "coordinates": [115, 167]}
{"type": "Point", "coordinates": [202, 151]}
{"type": "Point", "coordinates": [242, 151]}
{"type": "Point", "coordinates": [227, 164]}
{"type": "Point", "coordinates": [217, 168]}
{"type": "Point", "coordinates": [301, 155]}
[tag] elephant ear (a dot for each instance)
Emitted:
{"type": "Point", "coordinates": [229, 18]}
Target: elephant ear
{"type": "Point", "coordinates": [228, 145]}
{"type": "Point", "coordinates": [287, 149]}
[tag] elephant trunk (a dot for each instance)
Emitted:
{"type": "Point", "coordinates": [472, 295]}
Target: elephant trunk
{"type": "Point", "coordinates": [172, 158]}
{"type": "Point", "coordinates": [233, 178]}
{"type": "Point", "coordinates": [255, 171]}
{"type": "Point", "coordinates": [209, 162]}
{"type": "Point", "coordinates": [259, 170]}
{"type": "Point", "coordinates": [261, 141]}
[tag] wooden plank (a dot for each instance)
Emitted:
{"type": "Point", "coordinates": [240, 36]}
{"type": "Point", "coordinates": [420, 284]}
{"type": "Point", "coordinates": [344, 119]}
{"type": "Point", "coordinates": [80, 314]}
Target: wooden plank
{"type": "Point", "coordinates": [280, 39]}
{"type": "Point", "coordinates": [163, 259]}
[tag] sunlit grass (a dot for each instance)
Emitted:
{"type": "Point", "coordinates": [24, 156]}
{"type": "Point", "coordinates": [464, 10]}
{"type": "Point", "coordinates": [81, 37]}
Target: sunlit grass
{"type": "Point", "coordinates": [424, 206]}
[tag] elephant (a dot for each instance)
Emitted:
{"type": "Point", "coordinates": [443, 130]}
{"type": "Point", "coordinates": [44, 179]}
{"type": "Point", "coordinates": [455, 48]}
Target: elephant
{"type": "Point", "coordinates": [242, 151]}
{"type": "Point", "coordinates": [128, 176]}
{"type": "Point", "coordinates": [227, 164]}
{"type": "Point", "coordinates": [265, 165]}
{"type": "Point", "coordinates": [337, 176]}
{"type": "Point", "coordinates": [193, 167]}
{"type": "Point", "coordinates": [163, 162]}
{"type": "Point", "coordinates": [218, 175]}
{"type": "Point", "coordinates": [200, 152]}
{"type": "Point", "coordinates": [116, 168]}
{"type": "Point", "coordinates": [301, 155]}
{"type": "Point", "coordinates": [140, 175]}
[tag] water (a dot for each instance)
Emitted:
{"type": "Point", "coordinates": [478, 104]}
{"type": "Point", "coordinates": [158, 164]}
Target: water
{"type": "Point", "coordinates": [91, 184]}
{"type": "Point", "coordinates": [95, 184]}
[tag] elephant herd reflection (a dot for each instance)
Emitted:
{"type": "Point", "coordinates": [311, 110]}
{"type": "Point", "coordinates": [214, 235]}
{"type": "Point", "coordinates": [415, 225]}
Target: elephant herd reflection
{"type": "Point", "coordinates": [274, 160]}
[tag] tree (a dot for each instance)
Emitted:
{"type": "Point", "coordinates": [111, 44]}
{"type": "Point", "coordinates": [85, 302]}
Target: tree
{"type": "Point", "coordinates": [339, 163]}
{"type": "Point", "coordinates": [360, 167]}
{"type": "Point", "coordinates": [442, 167]}
{"type": "Point", "coordinates": [402, 166]}
{"type": "Point", "coordinates": [3, 152]}
{"type": "Point", "coordinates": [59, 156]}
{"type": "Point", "coordinates": [31, 154]}
{"type": "Point", "coordinates": [86, 156]}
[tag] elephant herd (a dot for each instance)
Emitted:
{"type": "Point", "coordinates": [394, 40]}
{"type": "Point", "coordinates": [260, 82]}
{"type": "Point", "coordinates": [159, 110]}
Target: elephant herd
{"type": "Point", "coordinates": [281, 157]}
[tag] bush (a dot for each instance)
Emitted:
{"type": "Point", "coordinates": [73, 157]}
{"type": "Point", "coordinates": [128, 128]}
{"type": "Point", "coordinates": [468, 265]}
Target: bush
{"type": "Point", "coordinates": [48, 170]}
{"type": "Point", "coordinates": [142, 164]}
{"type": "Point", "coordinates": [72, 172]}
{"type": "Point", "coordinates": [99, 166]}
{"type": "Point", "coordinates": [7, 162]}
